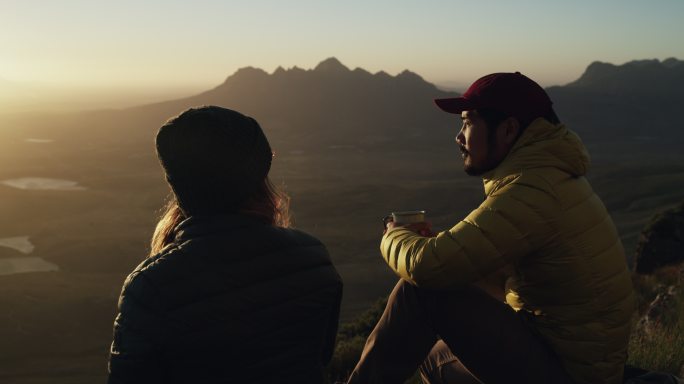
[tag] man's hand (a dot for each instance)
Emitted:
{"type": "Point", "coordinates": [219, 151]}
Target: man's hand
{"type": "Point", "coordinates": [423, 229]}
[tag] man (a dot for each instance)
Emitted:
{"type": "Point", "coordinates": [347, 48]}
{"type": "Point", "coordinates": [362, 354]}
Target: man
{"type": "Point", "coordinates": [568, 292]}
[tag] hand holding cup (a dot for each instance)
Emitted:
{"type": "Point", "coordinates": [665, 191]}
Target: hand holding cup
{"type": "Point", "coordinates": [411, 220]}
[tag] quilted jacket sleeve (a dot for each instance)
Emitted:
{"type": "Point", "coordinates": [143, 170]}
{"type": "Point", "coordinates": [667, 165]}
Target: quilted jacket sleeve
{"type": "Point", "coordinates": [505, 227]}
{"type": "Point", "coordinates": [135, 355]}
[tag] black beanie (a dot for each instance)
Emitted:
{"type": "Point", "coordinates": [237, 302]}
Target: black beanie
{"type": "Point", "coordinates": [214, 158]}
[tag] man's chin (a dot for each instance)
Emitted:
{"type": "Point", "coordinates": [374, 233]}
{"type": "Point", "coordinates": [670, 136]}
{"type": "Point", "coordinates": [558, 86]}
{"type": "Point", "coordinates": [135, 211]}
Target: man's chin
{"type": "Point", "coordinates": [472, 170]}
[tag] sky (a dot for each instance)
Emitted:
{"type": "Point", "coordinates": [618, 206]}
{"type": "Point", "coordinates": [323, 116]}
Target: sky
{"type": "Point", "coordinates": [177, 46]}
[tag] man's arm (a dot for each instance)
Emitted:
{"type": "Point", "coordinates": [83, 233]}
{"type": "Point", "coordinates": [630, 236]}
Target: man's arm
{"type": "Point", "coordinates": [501, 230]}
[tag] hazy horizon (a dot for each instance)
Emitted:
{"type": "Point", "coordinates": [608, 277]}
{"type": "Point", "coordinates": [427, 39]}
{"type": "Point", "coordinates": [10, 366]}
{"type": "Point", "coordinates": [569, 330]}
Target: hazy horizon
{"type": "Point", "coordinates": [53, 97]}
{"type": "Point", "coordinates": [61, 98]}
{"type": "Point", "coordinates": [174, 48]}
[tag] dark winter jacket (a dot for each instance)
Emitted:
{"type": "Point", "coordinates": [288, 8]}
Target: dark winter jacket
{"type": "Point", "coordinates": [231, 300]}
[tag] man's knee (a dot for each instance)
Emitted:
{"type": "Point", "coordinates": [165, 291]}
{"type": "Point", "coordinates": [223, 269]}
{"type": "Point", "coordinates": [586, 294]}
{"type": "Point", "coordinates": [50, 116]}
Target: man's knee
{"type": "Point", "coordinates": [442, 366]}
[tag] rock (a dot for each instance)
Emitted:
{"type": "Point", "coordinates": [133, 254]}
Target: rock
{"type": "Point", "coordinates": [661, 242]}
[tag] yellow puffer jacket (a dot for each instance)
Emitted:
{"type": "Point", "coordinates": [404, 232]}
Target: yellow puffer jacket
{"type": "Point", "coordinates": [541, 217]}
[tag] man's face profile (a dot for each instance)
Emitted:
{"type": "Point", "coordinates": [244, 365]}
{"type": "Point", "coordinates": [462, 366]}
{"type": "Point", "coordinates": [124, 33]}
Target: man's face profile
{"type": "Point", "coordinates": [482, 148]}
{"type": "Point", "coordinates": [473, 141]}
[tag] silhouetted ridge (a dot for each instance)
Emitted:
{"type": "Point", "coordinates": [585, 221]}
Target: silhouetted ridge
{"type": "Point", "coordinates": [409, 76]}
{"type": "Point", "coordinates": [333, 105]}
{"type": "Point", "coordinates": [250, 72]}
{"type": "Point", "coordinates": [331, 65]}
{"type": "Point", "coordinates": [361, 71]}
{"type": "Point", "coordinates": [672, 62]}
{"type": "Point", "coordinates": [643, 76]}
{"type": "Point", "coordinates": [246, 75]}
{"type": "Point", "coordinates": [279, 71]}
{"type": "Point", "coordinates": [636, 100]}
{"type": "Point", "coordinates": [383, 75]}
{"type": "Point", "coordinates": [616, 104]}
{"type": "Point", "coordinates": [332, 68]}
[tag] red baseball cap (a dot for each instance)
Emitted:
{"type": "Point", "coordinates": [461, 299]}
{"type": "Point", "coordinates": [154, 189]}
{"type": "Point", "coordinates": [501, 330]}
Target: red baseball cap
{"type": "Point", "coordinates": [512, 93]}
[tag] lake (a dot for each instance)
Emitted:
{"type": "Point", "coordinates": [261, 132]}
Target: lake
{"type": "Point", "coordinates": [19, 243]}
{"type": "Point", "coordinates": [42, 183]}
{"type": "Point", "coordinates": [14, 265]}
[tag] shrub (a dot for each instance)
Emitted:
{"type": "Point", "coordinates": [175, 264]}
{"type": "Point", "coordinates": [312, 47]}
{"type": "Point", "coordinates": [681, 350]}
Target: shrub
{"type": "Point", "coordinates": [662, 349]}
{"type": "Point", "coordinates": [350, 341]}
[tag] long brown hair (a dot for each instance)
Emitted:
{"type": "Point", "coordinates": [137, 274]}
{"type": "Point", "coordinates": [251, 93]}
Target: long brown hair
{"type": "Point", "coordinates": [269, 203]}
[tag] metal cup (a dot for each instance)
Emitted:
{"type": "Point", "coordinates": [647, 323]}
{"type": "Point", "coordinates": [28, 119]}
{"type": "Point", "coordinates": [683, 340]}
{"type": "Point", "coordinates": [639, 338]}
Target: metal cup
{"type": "Point", "coordinates": [404, 217]}
{"type": "Point", "coordinates": [407, 217]}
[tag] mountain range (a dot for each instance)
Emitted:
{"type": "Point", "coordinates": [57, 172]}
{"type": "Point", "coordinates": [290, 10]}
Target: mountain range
{"type": "Point", "coordinates": [327, 105]}
{"type": "Point", "coordinates": [621, 105]}
{"type": "Point", "coordinates": [332, 104]}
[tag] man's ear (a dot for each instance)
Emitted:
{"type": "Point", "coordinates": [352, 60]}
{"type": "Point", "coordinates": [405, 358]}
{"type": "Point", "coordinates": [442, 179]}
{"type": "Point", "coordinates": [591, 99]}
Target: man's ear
{"type": "Point", "coordinates": [511, 130]}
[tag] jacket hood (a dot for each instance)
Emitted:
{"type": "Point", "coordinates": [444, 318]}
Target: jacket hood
{"type": "Point", "coordinates": [542, 145]}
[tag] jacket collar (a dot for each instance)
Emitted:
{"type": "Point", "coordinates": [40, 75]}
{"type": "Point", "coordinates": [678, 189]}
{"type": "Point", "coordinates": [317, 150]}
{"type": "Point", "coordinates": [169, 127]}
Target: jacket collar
{"type": "Point", "coordinates": [202, 225]}
{"type": "Point", "coordinates": [542, 145]}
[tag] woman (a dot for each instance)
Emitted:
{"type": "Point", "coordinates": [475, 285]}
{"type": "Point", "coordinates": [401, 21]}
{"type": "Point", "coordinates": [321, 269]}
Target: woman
{"type": "Point", "coordinates": [228, 294]}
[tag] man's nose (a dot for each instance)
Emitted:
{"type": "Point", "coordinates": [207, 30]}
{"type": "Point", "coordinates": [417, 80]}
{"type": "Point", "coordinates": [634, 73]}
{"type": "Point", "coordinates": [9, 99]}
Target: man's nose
{"type": "Point", "coordinates": [460, 138]}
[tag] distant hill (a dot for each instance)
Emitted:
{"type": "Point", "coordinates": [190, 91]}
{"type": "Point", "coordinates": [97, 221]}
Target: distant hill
{"type": "Point", "coordinates": [327, 105]}
{"type": "Point", "coordinates": [627, 107]}
{"type": "Point", "coordinates": [638, 101]}
{"type": "Point", "coordinates": [650, 77]}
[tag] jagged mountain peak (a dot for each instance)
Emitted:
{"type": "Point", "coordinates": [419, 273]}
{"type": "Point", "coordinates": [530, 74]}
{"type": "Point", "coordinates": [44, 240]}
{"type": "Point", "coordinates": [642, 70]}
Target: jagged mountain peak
{"type": "Point", "coordinates": [383, 75]}
{"type": "Point", "coordinates": [331, 65]}
{"type": "Point", "coordinates": [247, 74]}
{"type": "Point", "coordinates": [251, 71]}
{"type": "Point", "coordinates": [408, 75]}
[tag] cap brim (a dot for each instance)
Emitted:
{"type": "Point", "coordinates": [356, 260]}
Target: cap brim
{"type": "Point", "coordinates": [455, 105]}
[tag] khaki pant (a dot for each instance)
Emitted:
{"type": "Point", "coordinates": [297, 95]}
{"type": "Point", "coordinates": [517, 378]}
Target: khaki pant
{"type": "Point", "coordinates": [458, 336]}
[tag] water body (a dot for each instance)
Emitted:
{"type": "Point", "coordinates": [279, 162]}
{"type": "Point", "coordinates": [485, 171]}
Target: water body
{"type": "Point", "coordinates": [39, 141]}
{"type": "Point", "coordinates": [16, 265]}
{"type": "Point", "coordinates": [19, 243]}
{"type": "Point", "coordinates": [41, 183]}
{"type": "Point", "coordinates": [13, 265]}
